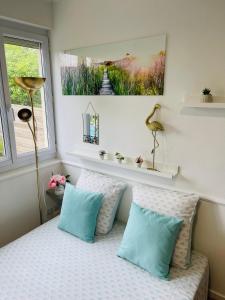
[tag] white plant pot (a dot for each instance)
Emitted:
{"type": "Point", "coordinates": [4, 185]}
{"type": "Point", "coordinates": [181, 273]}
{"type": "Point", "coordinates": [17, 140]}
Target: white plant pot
{"type": "Point", "coordinates": [119, 161]}
{"type": "Point", "coordinates": [138, 165]}
{"type": "Point", "coordinates": [207, 98]}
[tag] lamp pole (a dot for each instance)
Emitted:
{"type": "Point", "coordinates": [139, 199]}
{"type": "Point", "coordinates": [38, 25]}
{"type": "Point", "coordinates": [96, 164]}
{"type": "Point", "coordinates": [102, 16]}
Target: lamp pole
{"type": "Point", "coordinates": [34, 135]}
{"type": "Point", "coordinates": [31, 85]}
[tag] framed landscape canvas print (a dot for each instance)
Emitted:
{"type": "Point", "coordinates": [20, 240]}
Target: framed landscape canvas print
{"type": "Point", "coordinates": [134, 67]}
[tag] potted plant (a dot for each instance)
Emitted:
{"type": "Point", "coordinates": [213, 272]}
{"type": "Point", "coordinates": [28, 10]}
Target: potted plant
{"type": "Point", "coordinates": [139, 161]}
{"type": "Point", "coordinates": [102, 154]}
{"type": "Point", "coordinates": [119, 157]}
{"type": "Point", "coordinates": [58, 182]}
{"type": "Point", "coordinates": [206, 95]}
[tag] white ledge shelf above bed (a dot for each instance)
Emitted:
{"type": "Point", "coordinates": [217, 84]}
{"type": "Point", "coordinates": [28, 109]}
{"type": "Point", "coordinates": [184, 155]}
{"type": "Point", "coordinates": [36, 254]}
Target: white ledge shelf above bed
{"type": "Point", "coordinates": [165, 171]}
{"type": "Point", "coordinates": [195, 102]}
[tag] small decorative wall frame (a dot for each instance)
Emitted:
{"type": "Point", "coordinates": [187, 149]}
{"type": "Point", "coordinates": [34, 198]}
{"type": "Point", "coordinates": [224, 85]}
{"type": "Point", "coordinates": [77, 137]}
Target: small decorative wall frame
{"type": "Point", "coordinates": [134, 67]}
{"type": "Point", "coordinates": [90, 125]}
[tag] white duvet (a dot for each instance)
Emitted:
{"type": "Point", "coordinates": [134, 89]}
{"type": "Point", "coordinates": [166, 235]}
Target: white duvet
{"type": "Point", "coordinates": [48, 263]}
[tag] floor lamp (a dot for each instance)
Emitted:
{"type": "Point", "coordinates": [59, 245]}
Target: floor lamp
{"type": "Point", "coordinates": [31, 85]}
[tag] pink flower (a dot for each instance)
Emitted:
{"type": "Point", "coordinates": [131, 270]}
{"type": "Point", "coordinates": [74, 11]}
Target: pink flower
{"type": "Point", "coordinates": [56, 180]}
{"type": "Point", "coordinates": [51, 184]}
{"type": "Point", "coordinates": [62, 180]}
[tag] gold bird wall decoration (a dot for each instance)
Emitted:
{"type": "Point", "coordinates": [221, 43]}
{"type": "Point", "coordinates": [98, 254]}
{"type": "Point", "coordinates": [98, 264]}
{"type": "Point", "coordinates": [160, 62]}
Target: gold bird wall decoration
{"type": "Point", "coordinates": [154, 126]}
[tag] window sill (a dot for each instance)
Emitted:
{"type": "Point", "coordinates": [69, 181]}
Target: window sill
{"type": "Point", "coordinates": [29, 169]}
{"type": "Point", "coordinates": [26, 161]}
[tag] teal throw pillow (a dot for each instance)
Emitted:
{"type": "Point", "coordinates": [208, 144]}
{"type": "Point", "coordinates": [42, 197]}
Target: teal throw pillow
{"type": "Point", "coordinates": [149, 240]}
{"type": "Point", "coordinates": [79, 212]}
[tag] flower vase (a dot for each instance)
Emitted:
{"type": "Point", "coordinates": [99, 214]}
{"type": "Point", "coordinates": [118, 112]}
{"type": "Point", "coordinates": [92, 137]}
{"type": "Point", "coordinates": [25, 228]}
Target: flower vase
{"type": "Point", "coordinates": [59, 190]}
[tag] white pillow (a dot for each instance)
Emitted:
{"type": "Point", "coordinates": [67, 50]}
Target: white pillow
{"type": "Point", "coordinates": [112, 190]}
{"type": "Point", "coordinates": [175, 204]}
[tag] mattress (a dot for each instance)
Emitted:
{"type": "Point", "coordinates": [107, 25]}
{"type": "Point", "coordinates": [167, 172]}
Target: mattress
{"type": "Point", "coordinates": [48, 263]}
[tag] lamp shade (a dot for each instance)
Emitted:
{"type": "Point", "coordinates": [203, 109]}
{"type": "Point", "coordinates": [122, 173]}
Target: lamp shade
{"type": "Point", "coordinates": [24, 114]}
{"type": "Point", "coordinates": [30, 83]}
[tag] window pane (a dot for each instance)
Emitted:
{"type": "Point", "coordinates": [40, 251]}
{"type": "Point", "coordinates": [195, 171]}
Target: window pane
{"type": "Point", "coordinates": [24, 59]}
{"type": "Point", "coordinates": [2, 149]}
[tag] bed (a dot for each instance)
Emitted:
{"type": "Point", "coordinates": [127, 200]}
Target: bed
{"type": "Point", "coordinates": [48, 263]}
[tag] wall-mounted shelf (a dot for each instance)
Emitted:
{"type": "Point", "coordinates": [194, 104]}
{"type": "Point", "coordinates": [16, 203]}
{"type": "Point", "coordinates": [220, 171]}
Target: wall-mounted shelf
{"type": "Point", "coordinates": [195, 102]}
{"type": "Point", "coordinates": [165, 171]}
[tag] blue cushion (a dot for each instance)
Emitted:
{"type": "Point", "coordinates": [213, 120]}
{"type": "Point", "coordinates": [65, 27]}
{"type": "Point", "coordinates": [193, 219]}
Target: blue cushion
{"type": "Point", "coordinates": [149, 240]}
{"type": "Point", "coordinates": [79, 212]}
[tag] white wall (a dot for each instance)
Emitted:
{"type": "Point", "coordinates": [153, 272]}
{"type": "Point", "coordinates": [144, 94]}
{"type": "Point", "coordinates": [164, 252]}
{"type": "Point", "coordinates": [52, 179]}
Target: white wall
{"type": "Point", "coordinates": [194, 139]}
{"type": "Point", "coordinates": [37, 12]}
{"type": "Point", "coordinates": [195, 57]}
{"type": "Point", "coordinates": [18, 205]}
{"type": "Point", "coordinates": [18, 200]}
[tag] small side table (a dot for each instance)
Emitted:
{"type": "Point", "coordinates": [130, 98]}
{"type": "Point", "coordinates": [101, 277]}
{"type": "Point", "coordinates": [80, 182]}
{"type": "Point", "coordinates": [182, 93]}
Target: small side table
{"type": "Point", "coordinates": [53, 204]}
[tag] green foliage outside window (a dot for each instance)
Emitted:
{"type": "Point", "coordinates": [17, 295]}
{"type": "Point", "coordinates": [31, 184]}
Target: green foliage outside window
{"type": "Point", "coordinates": [22, 61]}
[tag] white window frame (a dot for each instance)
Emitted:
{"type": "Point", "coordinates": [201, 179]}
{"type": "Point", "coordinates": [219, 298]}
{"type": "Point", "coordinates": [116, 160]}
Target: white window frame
{"type": "Point", "coordinates": [6, 160]}
{"type": "Point", "coordinates": [12, 160]}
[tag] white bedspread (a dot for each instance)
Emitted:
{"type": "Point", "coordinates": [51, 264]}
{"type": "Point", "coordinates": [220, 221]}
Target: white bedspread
{"type": "Point", "coordinates": [48, 263]}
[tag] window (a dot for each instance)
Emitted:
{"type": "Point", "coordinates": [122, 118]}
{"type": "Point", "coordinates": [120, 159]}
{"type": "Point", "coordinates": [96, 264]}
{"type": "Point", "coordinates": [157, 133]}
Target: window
{"type": "Point", "coordinates": [24, 59]}
{"type": "Point", "coordinates": [24, 54]}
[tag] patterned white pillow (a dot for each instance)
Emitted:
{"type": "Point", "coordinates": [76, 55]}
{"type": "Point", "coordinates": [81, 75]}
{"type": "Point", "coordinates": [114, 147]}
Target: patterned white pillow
{"type": "Point", "coordinates": [112, 190]}
{"type": "Point", "coordinates": [175, 204]}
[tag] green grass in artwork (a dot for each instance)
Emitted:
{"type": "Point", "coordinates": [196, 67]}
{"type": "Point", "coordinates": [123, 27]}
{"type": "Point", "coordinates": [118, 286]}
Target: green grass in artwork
{"type": "Point", "coordinates": [119, 78]}
{"type": "Point", "coordinates": [124, 76]}
{"type": "Point", "coordinates": [82, 80]}
{"type": "Point", "coordinates": [139, 84]}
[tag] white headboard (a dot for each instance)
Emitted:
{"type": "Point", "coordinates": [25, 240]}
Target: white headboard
{"type": "Point", "coordinates": [123, 212]}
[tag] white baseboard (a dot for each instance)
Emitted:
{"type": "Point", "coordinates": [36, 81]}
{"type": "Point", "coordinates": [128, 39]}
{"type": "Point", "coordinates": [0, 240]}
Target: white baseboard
{"type": "Point", "coordinates": [215, 295]}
